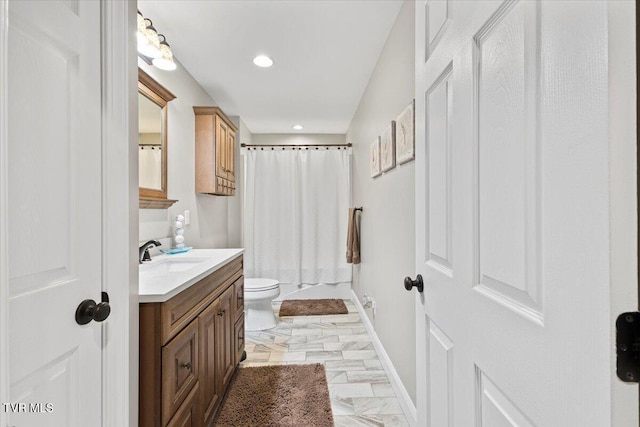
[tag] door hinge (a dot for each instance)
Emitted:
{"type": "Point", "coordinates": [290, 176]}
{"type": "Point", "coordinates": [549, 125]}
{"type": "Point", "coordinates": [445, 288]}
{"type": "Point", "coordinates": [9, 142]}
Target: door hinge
{"type": "Point", "coordinates": [628, 347]}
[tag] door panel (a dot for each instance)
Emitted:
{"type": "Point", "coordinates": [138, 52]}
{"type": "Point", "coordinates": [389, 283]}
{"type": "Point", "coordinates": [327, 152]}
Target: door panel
{"type": "Point", "coordinates": [512, 213]}
{"type": "Point", "coordinates": [54, 209]}
{"type": "Point", "coordinates": [438, 103]}
{"type": "Point", "coordinates": [441, 376]}
{"type": "Point", "coordinates": [506, 74]}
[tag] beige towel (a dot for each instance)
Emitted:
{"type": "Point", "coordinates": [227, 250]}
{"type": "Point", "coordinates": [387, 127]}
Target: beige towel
{"type": "Point", "coordinates": [353, 238]}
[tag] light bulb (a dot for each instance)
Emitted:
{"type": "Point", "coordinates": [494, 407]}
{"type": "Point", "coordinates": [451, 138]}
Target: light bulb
{"type": "Point", "coordinates": [165, 61]}
{"type": "Point", "coordinates": [150, 45]}
{"type": "Point", "coordinates": [263, 61]}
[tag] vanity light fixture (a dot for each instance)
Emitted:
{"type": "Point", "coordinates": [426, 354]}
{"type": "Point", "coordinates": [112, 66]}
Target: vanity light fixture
{"type": "Point", "coordinates": [151, 48]}
{"type": "Point", "coordinates": [263, 61]}
{"type": "Point", "coordinates": [298, 127]}
{"type": "Point", "coordinates": [165, 62]}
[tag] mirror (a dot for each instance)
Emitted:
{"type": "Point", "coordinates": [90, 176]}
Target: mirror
{"type": "Point", "coordinates": [152, 142]}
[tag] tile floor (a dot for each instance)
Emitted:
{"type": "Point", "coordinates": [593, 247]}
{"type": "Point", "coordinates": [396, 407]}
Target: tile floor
{"type": "Point", "coordinates": [360, 392]}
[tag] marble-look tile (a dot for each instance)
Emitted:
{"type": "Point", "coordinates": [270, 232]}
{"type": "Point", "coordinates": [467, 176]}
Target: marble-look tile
{"type": "Point", "coordinates": [359, 354]}
{"type": "Point", "coordinates": [351, 390]}
{"type": "Point", "coordinates": [373, 364]}
{"type": "Point", "coordinates": [305, 331]}
{"type": "Point", "coordinates": [337, 377]}
{"type": "Point", "coordinates": [383, 390]}
{"type": "Point", "coordinates": [356, 337]}
{"type": "Point", "coordinates": [370, 421]}
{"type": "Point", "coordinates": [341, 406]}
{"type": "Point", "coordinates": [269, 347]}
{"type": "Point", "coordinates": [336, 331]}
{"type": "Point", "coordinates": [258, 357]}
{"type": "Point", "coordinates": [376, 405]}
{"type": "Point", "coordinates": [344, 365]}
{"type": "Point", "coordinates": [290, 340]}
{"type": "Point", "coordinates": [321, 338]}
{"type": "Point", "coordinates": [292, 356]}
{"type": "Point", "coordinates": [367, 377]}
{"type": "Point", "coordinates": [360, 392]}
{"type": "Point", "coordinates": [305, 346]}
{"type": "Point", "coordinates": [353, 345]}
{"type": "Point", "coordinates": [324, 355]}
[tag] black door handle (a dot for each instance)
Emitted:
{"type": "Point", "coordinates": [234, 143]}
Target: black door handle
{"type": "Point", "coordinates": [89, 310]}
{"type": "Point", "coordinates": [418, 283]}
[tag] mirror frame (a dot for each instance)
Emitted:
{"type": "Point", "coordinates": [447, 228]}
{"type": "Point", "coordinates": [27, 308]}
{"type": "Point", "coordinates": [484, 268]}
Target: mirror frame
{"type": "Point", "coordinates": [158, 94]}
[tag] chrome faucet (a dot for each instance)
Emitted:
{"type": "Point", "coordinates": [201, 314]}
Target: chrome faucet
{"type": "Point", "coordinates": [143, 253]}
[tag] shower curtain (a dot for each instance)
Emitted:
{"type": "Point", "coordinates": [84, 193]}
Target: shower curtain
{"type": "Point", "coordinates": [150, 167]}
{"type": "Point", "coordinates": [296, 204]}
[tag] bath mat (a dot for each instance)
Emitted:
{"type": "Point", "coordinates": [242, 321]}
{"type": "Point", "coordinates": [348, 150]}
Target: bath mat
{"type": "Point", "coordinates": [310, 307]}
{"type": "Point", "coordinates": [277, 396]}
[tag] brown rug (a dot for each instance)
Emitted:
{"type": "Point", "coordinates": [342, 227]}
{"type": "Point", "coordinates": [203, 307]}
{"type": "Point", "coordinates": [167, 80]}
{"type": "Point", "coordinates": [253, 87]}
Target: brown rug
{"type": "Point", "coordinates": [276, 396]}
{"type": "Point", "coordinates": [310, 307]}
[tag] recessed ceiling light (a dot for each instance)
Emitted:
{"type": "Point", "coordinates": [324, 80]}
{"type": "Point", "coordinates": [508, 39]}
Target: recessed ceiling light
{"type": "Point", "coordinates": [263, 61]}
{"type": "Point", "coordinates": [298, 127]}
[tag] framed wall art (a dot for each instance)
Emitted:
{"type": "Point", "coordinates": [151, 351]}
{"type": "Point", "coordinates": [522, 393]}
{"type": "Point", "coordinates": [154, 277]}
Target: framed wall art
{"type": "Point", "coordinates": [405, 135]}
{"type": "Point", "coordinates": [374, 158]}
{"type": "Point", "coordinates": [388, 148]}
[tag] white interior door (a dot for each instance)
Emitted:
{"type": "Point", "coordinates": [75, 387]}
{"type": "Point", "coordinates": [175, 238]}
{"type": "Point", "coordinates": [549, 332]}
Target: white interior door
{"type": "Point", "coordinates": [513, 214]}
{"type": "Point", "coordinates": [54, 211]}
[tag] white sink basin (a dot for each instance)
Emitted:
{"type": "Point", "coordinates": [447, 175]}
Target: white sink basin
{"type": "Point", "coordinates": [166, 266]}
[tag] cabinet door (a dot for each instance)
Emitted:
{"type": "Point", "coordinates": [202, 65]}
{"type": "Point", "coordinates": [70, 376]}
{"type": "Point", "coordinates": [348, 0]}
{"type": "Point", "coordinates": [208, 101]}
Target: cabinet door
{"type": "Point", "coordinates": [238, 287]}
{"type": "Point", "coordinates": [179, 369]}
{"type": "Point", "coordinates": [224, 339]}
{"type": "Point", "coordinates": [187, 415]}
{"type": "Point", "coordinates": [238, 341]}
{"type": "Point", "coordinates": [231, 155]}
{"type": "Point", "coordinates": [222, 136]}
{"type": "Point", "coordinates": [209, 392]}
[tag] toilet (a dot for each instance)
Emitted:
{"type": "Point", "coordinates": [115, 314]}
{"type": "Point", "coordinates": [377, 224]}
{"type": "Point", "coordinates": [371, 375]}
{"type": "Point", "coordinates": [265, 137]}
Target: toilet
{"type": "Point", "coordinates": [258, 294]}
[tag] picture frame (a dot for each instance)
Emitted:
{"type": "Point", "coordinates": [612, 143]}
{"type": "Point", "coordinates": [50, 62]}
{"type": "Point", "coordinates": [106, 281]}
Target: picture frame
{"type": "Point", "coordinates": [374, 158]}
{"type": "Point", "coordinates": [388, 148]}
{"type": "Point", "coordinates": [406, 134]}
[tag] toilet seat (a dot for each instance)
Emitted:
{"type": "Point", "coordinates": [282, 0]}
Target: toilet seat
{"type": "Point", "coordinates": [260, 285]}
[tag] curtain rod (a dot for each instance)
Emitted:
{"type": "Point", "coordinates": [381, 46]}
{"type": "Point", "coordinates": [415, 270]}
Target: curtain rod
{"type": "Point", "coordinates": [296, 145]}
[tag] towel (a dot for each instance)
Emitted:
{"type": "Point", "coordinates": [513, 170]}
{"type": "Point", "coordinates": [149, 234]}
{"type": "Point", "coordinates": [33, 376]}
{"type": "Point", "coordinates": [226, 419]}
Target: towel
{"type": "Point", "coordinates": [353, 238]}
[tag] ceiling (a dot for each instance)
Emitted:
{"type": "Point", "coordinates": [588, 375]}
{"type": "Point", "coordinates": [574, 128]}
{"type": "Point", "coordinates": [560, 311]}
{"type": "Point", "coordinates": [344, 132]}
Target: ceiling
{"type": "Point", "coordinates": [324, 53]}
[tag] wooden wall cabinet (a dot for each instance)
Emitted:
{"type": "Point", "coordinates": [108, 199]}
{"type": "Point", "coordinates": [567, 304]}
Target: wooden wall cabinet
{"type": "Point", "coordinates": [190, 347]}
{"type": "Point", "coordinates": [215, 152]}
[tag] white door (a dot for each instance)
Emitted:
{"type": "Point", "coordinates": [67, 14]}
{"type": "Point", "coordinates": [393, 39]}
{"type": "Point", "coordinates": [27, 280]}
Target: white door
{"type": "Point", "coordinates": [54, 212]}
{"type": "Point", "coordinates": [512, 215]}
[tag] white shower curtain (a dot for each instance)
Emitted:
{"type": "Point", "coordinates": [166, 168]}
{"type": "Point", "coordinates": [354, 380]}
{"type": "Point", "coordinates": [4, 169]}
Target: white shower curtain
{"type": "Point", "coordinates": [296, 204]}
{"type": "Point", "coordinates": [150, 167]}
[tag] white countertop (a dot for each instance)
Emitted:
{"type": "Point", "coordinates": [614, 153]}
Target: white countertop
{"type": "Point", "coordinates": [158, 284]}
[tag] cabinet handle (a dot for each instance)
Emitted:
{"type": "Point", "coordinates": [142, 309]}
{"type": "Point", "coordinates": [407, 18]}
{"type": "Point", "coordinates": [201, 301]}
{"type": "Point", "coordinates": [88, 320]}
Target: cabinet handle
{"type": "Point", "coordinates": [221, 313]}
{"type": "Point", "coordinates": [240, 297]}
{"type": "Point", "coordinates": [186, 365]}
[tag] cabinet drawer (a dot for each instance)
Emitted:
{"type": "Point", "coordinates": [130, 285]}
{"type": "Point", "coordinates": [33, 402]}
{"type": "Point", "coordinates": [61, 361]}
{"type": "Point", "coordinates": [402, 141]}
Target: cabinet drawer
{"type": "Point", "coordinates": [238, 340]}
{"type": "Point", "coordinates": [238, 298]}
{"type": "Point", "coordinates": [184, 307]}
{"type": "Point", "coordinates": [179, 369]}
{"type": "Point", "coordinates": [187, 414]}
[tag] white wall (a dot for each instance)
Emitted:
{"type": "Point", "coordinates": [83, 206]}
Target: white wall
{"type": "Point", "coordinates": [236, 204]}
{"type": "Point", "coordinates": [387, 227]}
{"type": "Point", "coordinates": [297, 138]}
{"type": "Point", "coordinates": [210, 216]}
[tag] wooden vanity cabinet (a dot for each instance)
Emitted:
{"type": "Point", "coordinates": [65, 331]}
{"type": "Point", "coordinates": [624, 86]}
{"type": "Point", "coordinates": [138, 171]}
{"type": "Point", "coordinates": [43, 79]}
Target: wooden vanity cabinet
{"type": "Point", "coordinates": [215, 152]}
{"type": "Point", "coordinates": [189, 350]}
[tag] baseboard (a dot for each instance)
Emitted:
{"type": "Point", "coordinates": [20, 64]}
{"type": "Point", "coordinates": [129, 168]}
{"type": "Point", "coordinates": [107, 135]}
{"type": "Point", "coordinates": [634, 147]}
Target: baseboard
{"type": "Point", "coordinates": [317, 291]}
{"type": "Point", "coordinates": [406, 403]}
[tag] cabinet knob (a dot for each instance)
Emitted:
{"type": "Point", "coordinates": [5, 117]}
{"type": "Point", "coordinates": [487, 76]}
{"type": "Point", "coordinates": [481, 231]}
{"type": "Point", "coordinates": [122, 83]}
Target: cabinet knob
{"type": "Point", "coordinates": [186, 365]}
{"type": "Point", "coordinates": [221, 313]}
